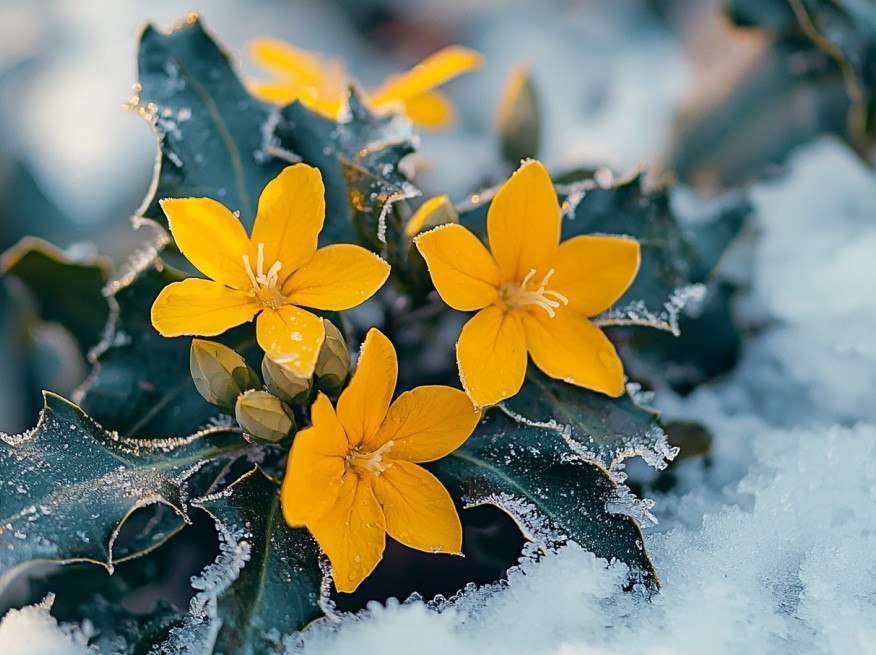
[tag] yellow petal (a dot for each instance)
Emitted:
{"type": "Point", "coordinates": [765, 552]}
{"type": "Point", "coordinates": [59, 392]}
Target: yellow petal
{"type": "Point", "coordinates": [431, 110]}
{"type": "Point", "coordinates": [219, 257]}
{"type": "Point", "coordinates": [200, 307]}
{"type": "Point", "coordinates": [286, 59]}
{"type": "Point", "coordinates": [523, 222]}
{"type": "Point", "coordinates": [568, 347]}
{"type": "Point", "coordinates": [336, 278]}
{"type": "Point", "coordinates": [463, 272]}
{"type": "Point", "coordinates": [432, 213]}
{"type": "Point", "coordinates": [491, 353]}
{"type": "Point", "coordinates": [419, 511]}
{"type": "Point", "coordinates": [352, 533]}
{"type": "Point", "coordinates": [291, 337]}
{"type": "Point", "coordinates": [290, 217]}
{"type": "Point", "coordinates": [426, 423]}
{"type": "Point", "coordinates": [594, 272]}
{"type": "Point", "coordinates": [433, 71]}
{"type": "Point", "coordinates": [316, 466]}
{"type": "Point", "coordinates": [363, 404]}
{"type": "Point", "coordinates": [281, 93]}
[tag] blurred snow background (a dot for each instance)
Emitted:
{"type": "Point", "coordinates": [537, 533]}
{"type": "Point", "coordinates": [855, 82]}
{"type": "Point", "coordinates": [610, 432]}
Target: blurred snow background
{"type": "Point", "coordinates": [767, 546]}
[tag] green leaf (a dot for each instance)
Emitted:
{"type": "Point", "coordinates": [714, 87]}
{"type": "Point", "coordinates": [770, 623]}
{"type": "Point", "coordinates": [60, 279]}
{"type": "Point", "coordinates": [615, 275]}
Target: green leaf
{"type": "Point", "coordinates": [209, 128]}
{"type": "Point", "coordinates": [266, 584]}
{"type": "Point", "coordinates": [66, 290]}
{"type": "Point", "coordinates": [70, 486]}
{"type": "Point", "coordinates": [553, 492]}
{"type": "Point", "coordinates": [597, 427]}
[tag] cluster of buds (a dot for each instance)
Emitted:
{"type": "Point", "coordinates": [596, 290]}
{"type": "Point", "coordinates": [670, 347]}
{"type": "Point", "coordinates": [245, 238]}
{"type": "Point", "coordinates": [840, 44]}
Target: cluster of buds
{"type": "Point", "coordinates": [265, 411]}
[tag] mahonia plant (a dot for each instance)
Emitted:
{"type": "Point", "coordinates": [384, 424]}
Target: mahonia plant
{"type": "Point", "coordinates": [288, 237]}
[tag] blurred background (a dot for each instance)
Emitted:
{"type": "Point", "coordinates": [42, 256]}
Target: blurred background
{"type": "Point", "coordinates": [619, 83]}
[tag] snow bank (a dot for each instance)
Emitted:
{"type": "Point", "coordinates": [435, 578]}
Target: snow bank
{"type": "Point", "coordinates": [33, 631]}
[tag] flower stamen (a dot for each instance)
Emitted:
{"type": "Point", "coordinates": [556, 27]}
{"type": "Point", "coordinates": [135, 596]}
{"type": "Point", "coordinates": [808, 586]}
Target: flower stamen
{"type": "Point", "coordinates": [519, 297]}
{"type": "Point", "coordinates": [265, 285]}
{"type": "Point", "coordinates": [365, 462]}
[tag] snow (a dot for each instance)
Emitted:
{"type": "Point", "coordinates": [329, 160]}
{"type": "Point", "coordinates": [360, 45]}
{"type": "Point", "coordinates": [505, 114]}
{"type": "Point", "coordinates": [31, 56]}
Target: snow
{"type": "Point", "coordinates": [33, 631]}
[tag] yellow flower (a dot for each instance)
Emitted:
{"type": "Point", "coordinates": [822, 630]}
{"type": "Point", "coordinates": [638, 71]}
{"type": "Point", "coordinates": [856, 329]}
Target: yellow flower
{"type": "Point", "coordinates": [271, 274]}
{"type": "Point", "coordinates": [352, 477]}
{"type": "Point", "coordinates": [532, 293]}
{"type": "Point", "coordinates": [321, 84]}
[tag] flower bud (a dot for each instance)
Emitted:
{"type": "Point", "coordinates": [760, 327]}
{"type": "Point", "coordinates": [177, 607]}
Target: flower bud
{"type": "Point", "coordinates": [333, 364]}
{"type": "Point", "coordinates": [518, 119]}
{"type": "Point", "coordinates": [220, 374]}
{"type": "Point", "coordinates": [432, 213]}
{"type": "Point", "coordinates": [284, 383]}
{"type": "Point", "coordinates": [264, 417]}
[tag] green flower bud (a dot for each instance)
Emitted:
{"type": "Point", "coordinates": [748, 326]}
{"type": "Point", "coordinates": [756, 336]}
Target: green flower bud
{"type": "Point", "coordinates": [518, 120]}
{"type": "Point", "coordinates": [264, 417]}
{"type": "Point", "coordinates": [333, 364]}
{"type": "Point", "coordinates": [285, 384]}
{"type": "Point", "coordinates": [220, 374]}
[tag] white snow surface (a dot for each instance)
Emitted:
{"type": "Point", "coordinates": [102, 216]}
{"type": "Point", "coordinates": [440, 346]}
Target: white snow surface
{"type": "Point", "coordinates": [770, 548]}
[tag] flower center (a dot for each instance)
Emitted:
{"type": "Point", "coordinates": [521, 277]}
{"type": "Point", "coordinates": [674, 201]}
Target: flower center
{"type": "Point", "coordinates": [264, 285]}
{"type": "Point", "coordinates": [365, 462]}
{"type": "Point", "coordinates": [520, 296]}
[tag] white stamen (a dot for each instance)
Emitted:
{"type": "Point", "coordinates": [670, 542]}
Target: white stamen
{"type": "Point", "coordinates": [547, 300]}
{"type": "Point", "coordinates": [264, 286]}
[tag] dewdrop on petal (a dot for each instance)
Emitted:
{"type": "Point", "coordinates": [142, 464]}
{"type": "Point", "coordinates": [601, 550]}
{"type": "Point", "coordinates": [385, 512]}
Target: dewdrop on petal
{"type": "Point", "coordinates": [265, 418]}
{"type": "Point", "coordinates": [284, 383]}
{"type": "Point", "coordinates": [220, 374]}
{"type": "Point", "coordinates": [333, 364]}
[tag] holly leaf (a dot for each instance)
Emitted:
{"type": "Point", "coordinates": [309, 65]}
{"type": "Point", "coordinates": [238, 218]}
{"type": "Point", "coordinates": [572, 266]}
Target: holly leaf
{"type": "Point", "coordinates": [266, 583]}
{"type": "Point", "coordinates": [70, 486]}
{"type": "Point", "coordinates": [65, 289]}
{"type": "Point", "coordinates": [553, 491]}
{"type": "Point", "coordinates": [210, 130]}
{"type": "Point", "coordinates": [597, 427]}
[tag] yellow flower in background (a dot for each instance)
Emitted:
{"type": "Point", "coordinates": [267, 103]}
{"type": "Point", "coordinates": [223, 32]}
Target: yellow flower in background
{"type": "Point", "coordinates": [271, 274]}
{"type": "Point", "coordinates": [531, 293]}
{"type": "Point", "coordinates": [321, 83]}
{"type": "Point", "coordinates": [353, 476]}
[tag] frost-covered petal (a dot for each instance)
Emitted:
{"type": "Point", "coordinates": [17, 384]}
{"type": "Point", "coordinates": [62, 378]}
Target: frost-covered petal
{"type": "Point", "coordinates": [419, 511]}
{"type": "Point", "coordinates": [426, 423]}
{"type": "Point", "coordinates": [219, 257]}
{"type": "Point", "coordinates": [316, 466]}
{"type": "Point", "coordinates": [594, 272]}
{"type": "Point", "coordinates": [570, 348]}
{"type": "Point", "coordinates": [523, 222]}
{"type": "Point", "coordinates": [352, 532]}
{"type": "Point", "coordinates": [291, 337]}
{"type": "Point", "coordinates": [462, 270]}
{"type": "Point", "coordinates": [200, 307]}
{"type": "Point", "coordinates": [290, 217]}
{"type": "Point", "coordinates": [491, 353]}
{"type": "Point", "coordinates": [363, 404]}
{"type": "Point", "coordinates": [336, 278]}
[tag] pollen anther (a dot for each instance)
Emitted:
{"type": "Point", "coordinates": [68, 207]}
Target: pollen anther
{"type": "Point", "coordinates": [265, 285]}
{"type": "Point", "coordinates": [519, 297]}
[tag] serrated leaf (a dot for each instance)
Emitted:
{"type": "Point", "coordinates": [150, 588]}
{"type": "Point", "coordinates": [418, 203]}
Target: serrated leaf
{"type": "Point", "coordinates": [553, 493]}
{"type": "Point", "coordinates": [66, 290]}
{"type": "Point", "coordinates": [69, 486]}
{"type": "Point", "coordinates": [597, 427]}
{"type": "Point", "coordinates": [209, 128]}
{"type": "Point", "coordinates": [359, 158]}
{"type": "Point", "coordinates": [264, 586]}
